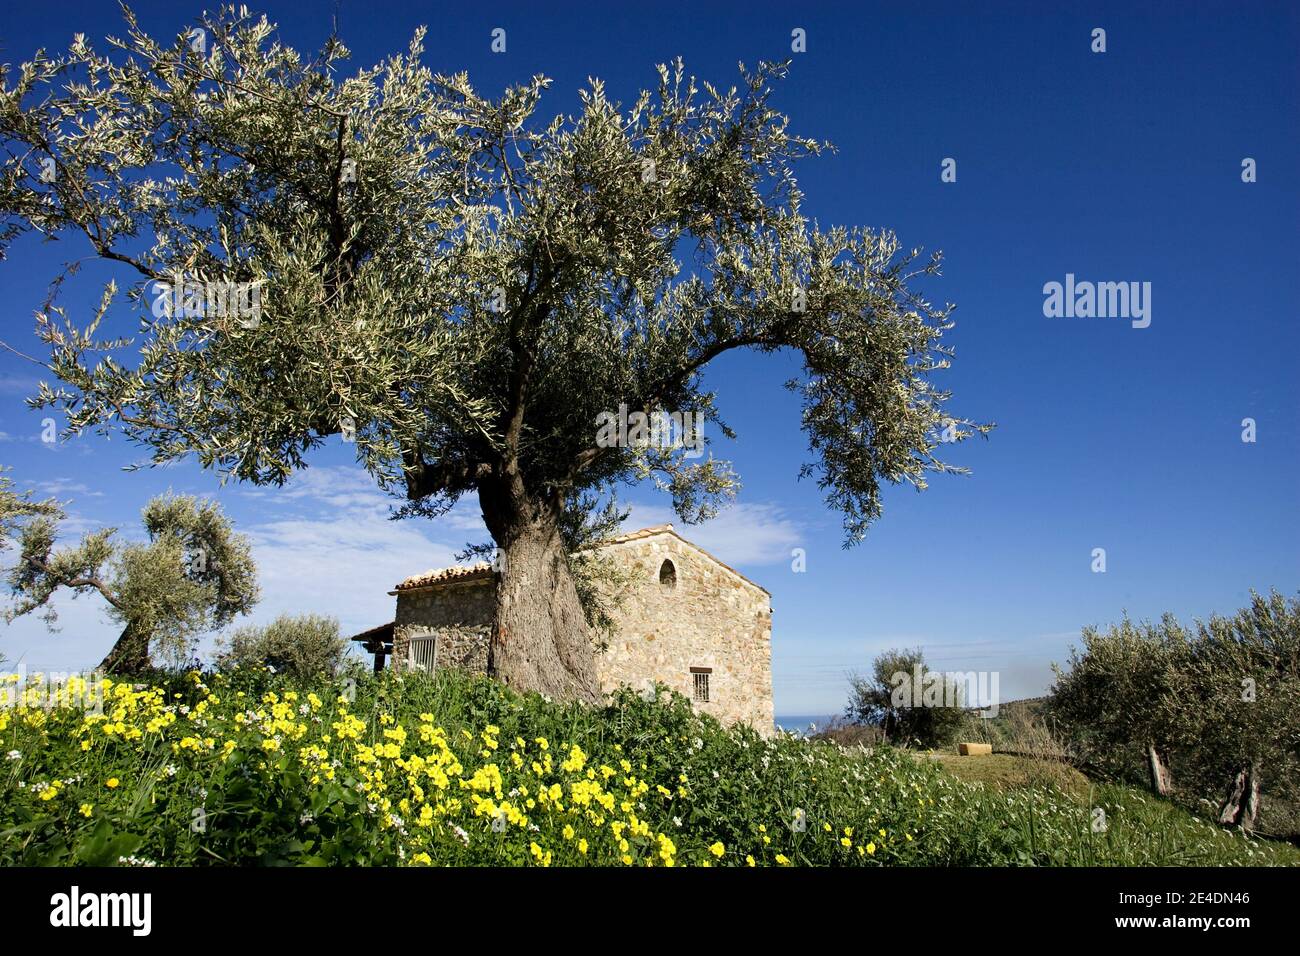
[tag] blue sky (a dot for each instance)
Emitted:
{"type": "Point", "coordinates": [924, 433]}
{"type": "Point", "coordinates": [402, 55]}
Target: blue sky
{"type": "Point", "coordinates": [1115, 166]}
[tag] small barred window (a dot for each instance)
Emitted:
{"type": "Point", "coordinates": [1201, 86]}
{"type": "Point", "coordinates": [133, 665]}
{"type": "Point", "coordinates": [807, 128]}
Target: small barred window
{"type": "Point", "coordinates": [422, 654]}
{"type": "Point", "coordinates": [700, 683]}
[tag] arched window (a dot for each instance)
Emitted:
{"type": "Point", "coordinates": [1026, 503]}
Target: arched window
{"type": "Point", "coordinates": [668, 574]}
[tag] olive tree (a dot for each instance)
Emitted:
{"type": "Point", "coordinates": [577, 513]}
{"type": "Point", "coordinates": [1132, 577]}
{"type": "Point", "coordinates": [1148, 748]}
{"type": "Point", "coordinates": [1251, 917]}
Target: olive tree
{"type": "Point", "coordinates": [460, 286]}
{"type": "Point", "coordinates": [1209, 710]}
{"type": "Point", "coordinates": [1117, 697]}
{"type": "Point", "coordinates": [909, 702]}
{"type": "Point", "coordinates": [191, 575]}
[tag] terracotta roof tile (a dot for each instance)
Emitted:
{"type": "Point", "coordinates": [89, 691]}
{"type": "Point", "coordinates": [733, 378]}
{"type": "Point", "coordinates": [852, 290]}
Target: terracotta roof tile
{"type": "Point", "coordinates": [446, 576]}
{"type": "Point", "coordinates": [469, 572]}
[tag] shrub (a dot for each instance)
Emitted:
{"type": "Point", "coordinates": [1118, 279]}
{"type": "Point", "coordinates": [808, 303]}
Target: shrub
{"type": "Point", "coordinates": [852, 735]}
{"type": "Point", "coordinates": [889, 698]}
{"type": "Point", "coordinates": [1214, 700]}
{"type": "Point", "coordinates": [305, 647]}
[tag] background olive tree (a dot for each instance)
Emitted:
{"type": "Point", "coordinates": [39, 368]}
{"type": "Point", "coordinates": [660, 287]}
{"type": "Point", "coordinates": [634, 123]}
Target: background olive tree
{"type": "Point", "coordinates": [461, 286]}
{"type": "Point", "coordinates": [1218, 702]}
{"type": "Point", "coordinates": [884, 698]}
{"type": "Point", "coordinates": [191, 575]}
{"type": "Point", "coordinates": [307, 646]}
{"type": "Point", "coordinates": [1117, 698]}
{"type": "Point", "coordinates": [17, 508]}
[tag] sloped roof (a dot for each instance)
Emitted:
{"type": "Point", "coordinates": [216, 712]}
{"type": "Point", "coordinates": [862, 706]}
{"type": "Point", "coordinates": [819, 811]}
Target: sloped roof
{"type": "Point", "coordinates": [669, 529]}
{"type": "Point", "coordinates": [377, 637]}
{"type": "Point", "coordinates": [458, 572]}
{"type": "Point", "coordinates": [482, 570]}
{"type": "Point", "coordinates": [637, 535]}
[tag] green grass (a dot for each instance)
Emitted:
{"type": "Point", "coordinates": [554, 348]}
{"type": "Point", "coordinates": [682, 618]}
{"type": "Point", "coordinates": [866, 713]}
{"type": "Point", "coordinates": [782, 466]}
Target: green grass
{"type": "Point", "coordinates": [456, 770]}
{"type": "Point", "coordinates": [1006, 772]}
{"type": "Point", "coordinates": [1146, 826]}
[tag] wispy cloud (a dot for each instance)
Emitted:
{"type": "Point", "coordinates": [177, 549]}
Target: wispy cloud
{"type": "Point", "coordinates": [338, 551]}
{"type": "Point", "coordinates": [745, 533]}
{"type": "Point", "coordinates": [62, 487]}
{"type": "Point", "coordinates": [343, 565]}
{"type": "Point", "coordinates": [338, 487]}
{"type": "Point", "coordinates": [19, 385]}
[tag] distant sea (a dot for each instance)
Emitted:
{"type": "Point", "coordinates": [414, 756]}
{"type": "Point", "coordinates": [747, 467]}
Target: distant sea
{"type": "Point", "coordinates": [798, 723]}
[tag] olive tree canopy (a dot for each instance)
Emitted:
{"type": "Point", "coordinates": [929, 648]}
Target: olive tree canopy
{"type": "Point", "coordinates": [460, 285]}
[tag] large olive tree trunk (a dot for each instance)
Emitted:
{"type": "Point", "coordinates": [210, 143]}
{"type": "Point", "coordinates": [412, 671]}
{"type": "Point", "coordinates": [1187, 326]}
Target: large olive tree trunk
{"type": "Point", "coordinates": [129, 655]}
{"type": "Point", "coordinates": [541, 641]}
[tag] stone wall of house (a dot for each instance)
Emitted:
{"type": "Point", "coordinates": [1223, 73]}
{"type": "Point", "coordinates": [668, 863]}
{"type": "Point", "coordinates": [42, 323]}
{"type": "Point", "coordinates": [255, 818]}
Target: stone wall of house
{"type": "Point", "coordinates": [458, 614]}
{"type": "Point", "coordinates": [710, 618]}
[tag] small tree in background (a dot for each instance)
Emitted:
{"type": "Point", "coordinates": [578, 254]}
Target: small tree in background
{"type": "Point", "coordinates": [193, 574]}
{"type": "Point", "coordinates": [306, 646]}
{"type": "Point", "coordinates": [929, 715]}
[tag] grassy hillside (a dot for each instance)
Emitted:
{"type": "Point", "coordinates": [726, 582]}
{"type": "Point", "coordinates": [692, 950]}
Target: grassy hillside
{"type": "Point", "coordinates": [1007, 772]}
{"type": "Point", "coordinates": [451, 769]}
{"type": "Point", "coordinates": [1147, 816]}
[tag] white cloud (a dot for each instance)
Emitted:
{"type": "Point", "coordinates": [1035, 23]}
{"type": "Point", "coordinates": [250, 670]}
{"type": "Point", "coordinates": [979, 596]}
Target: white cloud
{"type": "Point", "coordinates": [749, 533]}
{"type": "Point", "coordinates": [342, 565]}
{"type": "Point", "coordinates": [340, 553]}
{"type": "Point", "coordinates": [61, 487]}
{"type": "Point", "coordinates": [337, 487]}
{"type": "Point", "coordinates": [19, 385]}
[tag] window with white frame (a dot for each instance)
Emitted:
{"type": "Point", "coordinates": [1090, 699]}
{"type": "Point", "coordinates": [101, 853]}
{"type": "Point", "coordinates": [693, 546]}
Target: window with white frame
{"type": "Point", "coordinates": [422, 653]}
{"type": "Point", "coordinates": [700, 683]}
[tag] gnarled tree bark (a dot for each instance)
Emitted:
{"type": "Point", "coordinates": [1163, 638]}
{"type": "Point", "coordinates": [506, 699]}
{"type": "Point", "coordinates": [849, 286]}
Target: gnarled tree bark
{"type": "Point", "coordinates": [540, 641]}
{"type": "Point", "coordinates": [129, 655]}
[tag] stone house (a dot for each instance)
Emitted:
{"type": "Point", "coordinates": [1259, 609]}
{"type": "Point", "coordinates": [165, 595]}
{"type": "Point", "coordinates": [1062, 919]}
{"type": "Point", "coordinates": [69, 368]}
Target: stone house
{"type": "Point", "coordinates": [686, 620]}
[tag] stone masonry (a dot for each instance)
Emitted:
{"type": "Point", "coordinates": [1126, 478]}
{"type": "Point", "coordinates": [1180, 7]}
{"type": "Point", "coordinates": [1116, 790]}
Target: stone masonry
{"type": "Point", "coordinates": [687, 621]}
